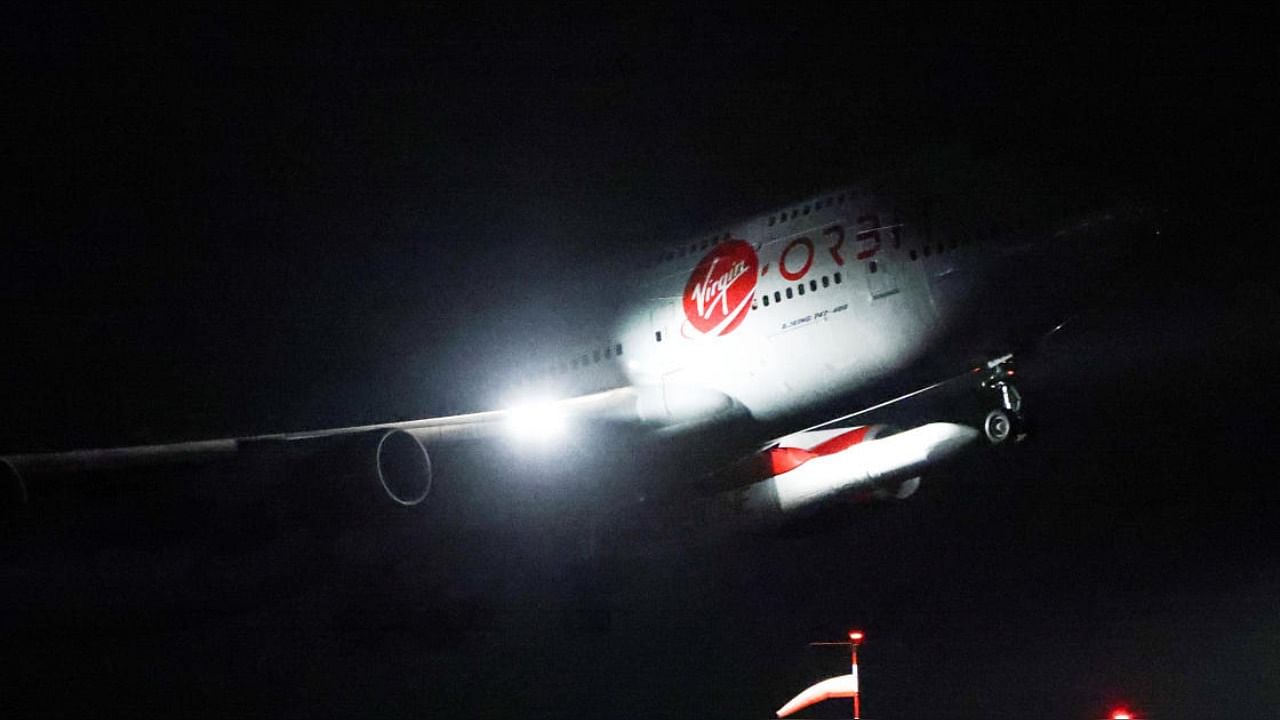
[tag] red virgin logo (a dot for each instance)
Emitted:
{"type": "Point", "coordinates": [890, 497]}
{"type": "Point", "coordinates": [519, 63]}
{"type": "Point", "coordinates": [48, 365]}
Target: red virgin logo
{"type": "Point", "coordinates": [719, 292]}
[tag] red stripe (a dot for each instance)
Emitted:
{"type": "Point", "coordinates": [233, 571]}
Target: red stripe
{"type": "Point", "coordinates": [782, 459]}
{"type": "Point", "coordinates": [843, 441]}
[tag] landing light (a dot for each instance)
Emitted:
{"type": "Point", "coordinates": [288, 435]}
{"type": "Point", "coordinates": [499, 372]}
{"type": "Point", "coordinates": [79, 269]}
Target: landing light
{"type": "Point", "coordinates": [1121, 715]}
{"type": "Point", "coordinates": [539, 421]}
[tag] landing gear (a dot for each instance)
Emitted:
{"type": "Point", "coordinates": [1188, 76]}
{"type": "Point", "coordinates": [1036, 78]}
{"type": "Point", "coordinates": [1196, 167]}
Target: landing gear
{"type": "Point", "coordinates": [1006, 422]}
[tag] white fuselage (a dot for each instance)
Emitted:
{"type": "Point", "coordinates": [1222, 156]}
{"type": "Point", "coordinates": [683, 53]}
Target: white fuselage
{"type": "Point", "coordinates": [834, 302]}
{"type": "Point", "coordinates": [829, 323]}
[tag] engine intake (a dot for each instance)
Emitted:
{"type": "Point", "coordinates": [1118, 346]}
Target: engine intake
{"type": "Point", "coordinates": [403, 467]}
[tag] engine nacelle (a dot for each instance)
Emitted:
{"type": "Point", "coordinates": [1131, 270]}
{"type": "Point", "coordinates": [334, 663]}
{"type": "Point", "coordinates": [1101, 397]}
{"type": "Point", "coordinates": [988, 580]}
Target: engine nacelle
{"type": "Point", "coordinates": [403, 467]}
{"type": "Point", "coordinates": [871, 462]}
{"type": "Point", "coordinates": [379, 468]}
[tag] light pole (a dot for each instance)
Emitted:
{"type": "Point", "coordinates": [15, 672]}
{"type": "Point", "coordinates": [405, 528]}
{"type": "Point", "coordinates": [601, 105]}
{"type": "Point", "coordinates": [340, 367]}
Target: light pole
{"type": "Point", "coordinates": [840, 686]}
{"type": "Point", "coordinates": [855, 639]}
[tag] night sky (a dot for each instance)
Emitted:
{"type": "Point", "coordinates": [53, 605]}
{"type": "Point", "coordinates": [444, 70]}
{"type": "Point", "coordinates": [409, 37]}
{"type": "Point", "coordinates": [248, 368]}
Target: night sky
{"type": "Point", "coordinates": [232, 223]}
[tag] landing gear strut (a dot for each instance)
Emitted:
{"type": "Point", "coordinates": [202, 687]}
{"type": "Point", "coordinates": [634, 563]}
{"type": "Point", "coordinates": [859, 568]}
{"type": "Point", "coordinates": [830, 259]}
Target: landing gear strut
{"type": "Point", "coordinates": [1005, 422]}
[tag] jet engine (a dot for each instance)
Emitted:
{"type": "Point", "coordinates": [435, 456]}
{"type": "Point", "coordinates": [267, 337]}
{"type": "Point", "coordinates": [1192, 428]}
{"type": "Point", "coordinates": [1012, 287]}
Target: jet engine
{"type": "Point", "coordinates": [865, 463]}
{"type": "Point", "coordinates": [392, 463]}
{"type": "Point", "coordinates": [404, 467]}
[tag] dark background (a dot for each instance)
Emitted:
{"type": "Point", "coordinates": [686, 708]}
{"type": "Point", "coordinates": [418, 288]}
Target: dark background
{"type": "Point", "coordinates": [250, 222]}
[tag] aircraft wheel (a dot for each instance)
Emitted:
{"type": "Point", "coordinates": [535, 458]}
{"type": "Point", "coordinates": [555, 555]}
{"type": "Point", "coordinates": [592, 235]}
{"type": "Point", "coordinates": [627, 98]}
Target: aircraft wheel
{"type": "Point", "coordinates": [1001, 425]}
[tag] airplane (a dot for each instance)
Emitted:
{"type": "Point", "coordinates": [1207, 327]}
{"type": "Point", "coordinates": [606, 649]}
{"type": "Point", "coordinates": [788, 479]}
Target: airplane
{"type": "Point", "coordinates": [752, 360]}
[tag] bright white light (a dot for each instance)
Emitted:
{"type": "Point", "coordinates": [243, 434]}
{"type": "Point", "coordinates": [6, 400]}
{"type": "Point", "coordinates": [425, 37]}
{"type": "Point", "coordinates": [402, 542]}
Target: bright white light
{"type": "Point", "coordinates": [543, 421]}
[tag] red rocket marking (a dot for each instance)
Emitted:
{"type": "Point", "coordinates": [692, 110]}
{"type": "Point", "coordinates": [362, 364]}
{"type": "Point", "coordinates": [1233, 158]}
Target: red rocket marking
{"type": "Point", "coordinates": [778, 460]}
{"type": "Point", "coordinates": [842, 441]}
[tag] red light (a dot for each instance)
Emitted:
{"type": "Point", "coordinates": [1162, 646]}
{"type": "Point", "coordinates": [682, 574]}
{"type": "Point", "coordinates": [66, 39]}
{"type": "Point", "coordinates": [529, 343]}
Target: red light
{"type": "Point", "coordinates": [855, 635]}
{"type": "Point", "coordinates": [1121, 715]}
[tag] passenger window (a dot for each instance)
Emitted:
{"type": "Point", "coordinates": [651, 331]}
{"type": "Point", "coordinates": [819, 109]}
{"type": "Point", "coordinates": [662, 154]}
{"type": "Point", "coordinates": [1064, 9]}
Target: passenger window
{"type": "Point", "coordinates": [765, 300]}
{"type": "Point", "coordinates": [813, 284]}
{"type": "Point", "coordinates": [826, 281]}
{"type": "Point", "coordinates": [800, 288]}
{"type": "Point", "coordinates": [836, 277]}
{"type": "Point", "coordinates": [789, 293]}
{"type": "Point", "coordinates": [658, 336]}
{"type": "Point", "coordinates": [871, 267]}
{"type": "Point", "coordinates": [617, 350]}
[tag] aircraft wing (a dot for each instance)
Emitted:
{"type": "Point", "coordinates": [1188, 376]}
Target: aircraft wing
{"type": "Point", "coordinates": [613, 405]}
{"type": "Point", "coordinates": [393, 449]}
